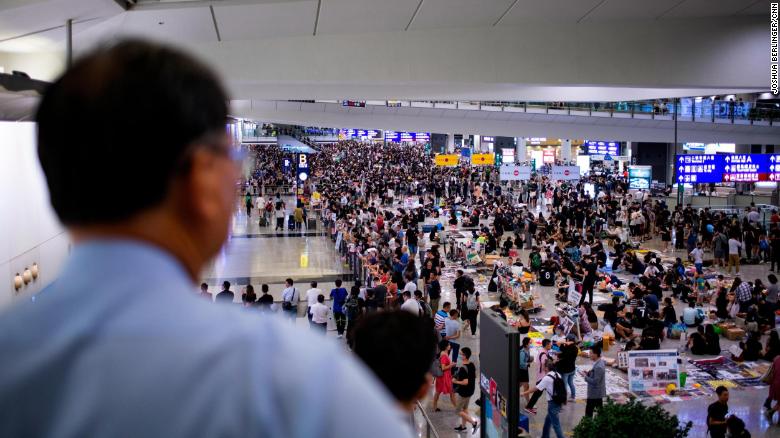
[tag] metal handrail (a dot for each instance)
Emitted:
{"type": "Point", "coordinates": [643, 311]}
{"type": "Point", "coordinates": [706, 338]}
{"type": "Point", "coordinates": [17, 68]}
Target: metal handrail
{"type": "Point", "coordinates": [429, 429]}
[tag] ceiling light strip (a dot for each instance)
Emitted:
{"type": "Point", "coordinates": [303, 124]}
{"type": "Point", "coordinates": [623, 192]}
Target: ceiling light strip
{"type": "Point", "coordinates": [505, 12]}
{"type": "Point", "coordinates": [317, 17]}
{"type": "Point", "coordinates": [214, 19]}
{"type": "Point", "coordinates": [591, 10]}
{"type": "Point", "coordinates": [48, 29]}
{"type": "Point", "coordinates": [419, 5]}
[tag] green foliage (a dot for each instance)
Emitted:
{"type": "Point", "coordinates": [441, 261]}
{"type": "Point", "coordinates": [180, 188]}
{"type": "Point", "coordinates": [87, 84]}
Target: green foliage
{"type": "Point", "coordinates": [632, 419]}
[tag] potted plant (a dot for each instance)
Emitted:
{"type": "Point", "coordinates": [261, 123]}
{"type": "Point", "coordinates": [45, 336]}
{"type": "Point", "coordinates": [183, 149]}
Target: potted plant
{"type": "Point", "coordinates": [631, 419]}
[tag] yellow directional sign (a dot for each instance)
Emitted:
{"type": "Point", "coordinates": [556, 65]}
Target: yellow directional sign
{"type": "Point", "coordinates": [483, 159]}
{"type": "Point", "coordinates": [447, 160]}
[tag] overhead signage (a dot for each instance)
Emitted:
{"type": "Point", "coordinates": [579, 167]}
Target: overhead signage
{"type": "Point", "coordinates": [483, 159]}
{"type": "Point", "coordinates": [548, 156]}
{"type": "Point", "coordinates": [593, 147]}
{"type": "Point", "coordinates": [373, 134]}
{"type": "Point", "coordinates": [446, 160]}
{"type": "Point", "coordinates": [303, 168]}
{"type": "Point", "coordinates": [639, 177]}
{"type": "Point", "coordinates": [611, 158]}
{"type": "Point", "coordinates": [413, 137]}
{"type": "Point", "coordinates": [565, 173]}
{"type": "Point", "coordinates": [513, 172]}
{"type": "Point", "coordinates": [710, 168]}
{"type": "Point", "coordinates": [354, 103]}
{"type": "Point", "coordinates": [710, 148]}
{"type": "Point", "coordinates": [488, 139]}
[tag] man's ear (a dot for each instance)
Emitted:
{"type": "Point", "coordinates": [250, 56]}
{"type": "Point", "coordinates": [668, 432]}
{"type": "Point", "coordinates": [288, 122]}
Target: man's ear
{"type": "Point", "coordinates": [425, 388]}
{"type": "Point", "coordinates": [199, 190]}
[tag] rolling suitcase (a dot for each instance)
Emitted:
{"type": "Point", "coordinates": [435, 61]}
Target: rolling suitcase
{"type": "Point", "coordinates": [311, 223]}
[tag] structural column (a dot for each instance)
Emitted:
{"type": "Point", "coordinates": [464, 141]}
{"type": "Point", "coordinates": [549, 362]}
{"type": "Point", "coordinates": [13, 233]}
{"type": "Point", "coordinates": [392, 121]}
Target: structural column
{"type": "Point", "coordinates": [450, 143]}
{"type": "Point", "coordinates": [521, 151]}
{"type": "Point", "coordinates": [566, 150]}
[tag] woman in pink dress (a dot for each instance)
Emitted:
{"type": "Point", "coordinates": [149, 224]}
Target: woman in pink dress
{"type": "Point", "coordinates": [444, 382]}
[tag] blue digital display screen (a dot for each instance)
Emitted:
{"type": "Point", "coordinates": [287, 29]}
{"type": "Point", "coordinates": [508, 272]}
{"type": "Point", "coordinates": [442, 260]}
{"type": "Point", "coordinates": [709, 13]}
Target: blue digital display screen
{"type": "Point", "coordinates": [398, 137]}
{"type": "Point", "coordinates": [593, 147]}
{"type": "Point", "coordinates": [704, 168]}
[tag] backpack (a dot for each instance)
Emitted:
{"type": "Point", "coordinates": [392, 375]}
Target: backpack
{"type": "Point", "coordinates": [536, 261]}
{"type": "Point", "coordinates": [425, 309]}
{"type": "Point", "coordinates": [471, 301]}
{"type": "Point", "coordinates": [351, 308]}
{"type": "Point", "coordinates": [436, 370]}
{"type": "Point", "coordinates": [559, 389]}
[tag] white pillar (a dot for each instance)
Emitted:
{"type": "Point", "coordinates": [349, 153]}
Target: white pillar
{"type": "Point", "coordinates": [521, 151]}
{"type": "Point", "coordinates": [450, 143]}
{"type": "Point", "coordinates": [477, 144]}
{"type": "Point", "coordinates": [566, 150]}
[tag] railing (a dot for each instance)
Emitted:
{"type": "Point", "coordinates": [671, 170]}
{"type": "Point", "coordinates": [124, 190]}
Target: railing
{"type": "Point", "coordinates": [685, 109]}
{"type": "Point", "coordinates": [421, 423]}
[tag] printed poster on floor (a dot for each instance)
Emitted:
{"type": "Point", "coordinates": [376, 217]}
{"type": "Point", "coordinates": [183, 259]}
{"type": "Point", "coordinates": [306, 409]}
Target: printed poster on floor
{"type": "Point", "coordinates": [512, 172]}
{"type": "Point", "coordinates": [652, 370]}
{"type": "Point", "coordinates": [565, 173]}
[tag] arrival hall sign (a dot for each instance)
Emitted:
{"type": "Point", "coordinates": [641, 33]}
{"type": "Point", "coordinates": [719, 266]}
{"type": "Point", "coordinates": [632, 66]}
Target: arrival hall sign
{"type": "Point", "coordinates": [707, 168]}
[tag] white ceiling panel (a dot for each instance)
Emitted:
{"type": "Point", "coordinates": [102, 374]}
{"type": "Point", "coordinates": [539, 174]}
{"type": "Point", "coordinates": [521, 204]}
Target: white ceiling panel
{"type": "Point", "coordinates": [271, 20]}
{"type": "Point", "coordinates": [710, 8]}
{"type": "Point", "coordinates": [459, 13]}
{"type": "Point", "coordinates": [176, 25]}
{"type": "Point", "coordinates": [630, 9]}
{"type": "Point", "coordinates": [527, 11]}
{"type": "Point", "coordinates": [19, 18]}
{"type": "Point", "coordinates": [361, 16]}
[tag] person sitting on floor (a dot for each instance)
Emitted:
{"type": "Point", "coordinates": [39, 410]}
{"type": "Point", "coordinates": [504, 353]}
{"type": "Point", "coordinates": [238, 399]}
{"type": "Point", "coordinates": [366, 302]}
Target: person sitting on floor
{"type": "Point", "coordinates": [697, 344]}
{"type": "Point", "coordinates": [713, 340]}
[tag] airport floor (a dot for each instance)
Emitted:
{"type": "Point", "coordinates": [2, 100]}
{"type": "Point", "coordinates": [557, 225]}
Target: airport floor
{"type": "Point", "coordinates": [256, 255]}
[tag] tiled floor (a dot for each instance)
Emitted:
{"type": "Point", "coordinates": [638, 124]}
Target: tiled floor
{"type": "Point", "coordinates": [256, 255]}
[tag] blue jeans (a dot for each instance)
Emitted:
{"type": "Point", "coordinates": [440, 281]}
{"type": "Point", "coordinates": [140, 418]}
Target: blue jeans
{"type": "Point", "coordinates": [568, 378]}
{"type": "Point", "coordinates": [455, 350]}
{"type": "Point", "coordinates": [412, 249]}
{"type": "Point", "coordinates": [699, 268]}
{"type": "Point", "coordinates": [553, 409]}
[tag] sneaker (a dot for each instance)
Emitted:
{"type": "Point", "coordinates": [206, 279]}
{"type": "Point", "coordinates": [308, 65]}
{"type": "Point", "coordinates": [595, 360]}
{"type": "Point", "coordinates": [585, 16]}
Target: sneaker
{"type": "Point", "coordinates": [460, 429]}
{"type": "Point", "coordinates": [474, 427]}
{"type": "Point", "coordinates": [531, 411]}
{"type": "Point", "coordinates": [340, 336]}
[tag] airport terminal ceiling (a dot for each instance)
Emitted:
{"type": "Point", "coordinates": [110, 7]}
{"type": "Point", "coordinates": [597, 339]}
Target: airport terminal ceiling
{"type": "Point", "coordinates": [593, 50]}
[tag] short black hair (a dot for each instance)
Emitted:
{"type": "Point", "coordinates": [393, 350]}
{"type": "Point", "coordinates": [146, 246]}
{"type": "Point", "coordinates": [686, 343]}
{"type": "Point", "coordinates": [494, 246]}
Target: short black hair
{"type": "Point", "coordinates": [320, 298]}
{"type": "Point", "coordinates": [721, 389]}
{"type": "Point", "coordinates": [596, 350]}
{"type": "Point", "coordinates": [466, 352]}
{"type": "Point", "coordinates": [338, 282]}
{"type": "Point", "coordinates": [116, 128]}
{"type": "Point", "coordinates": [399, 348]}
{"type": "Point", "coordinates": [313, 284]}
{"type": "Point", "coordinates": [225, 284]}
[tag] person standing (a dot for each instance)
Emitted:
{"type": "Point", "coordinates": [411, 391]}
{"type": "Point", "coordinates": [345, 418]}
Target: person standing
{"type": "Point", "coordinates": [591, 275]}
{"type": "Point", "coordinates": [339, 297]}
{"type": "Point", "coordinates": [772, 291]}
{"type": "Point", "coordinates": [311, 299]}
{"type": "Point", "coordinates": [524, 364]}
{"type": "Point", "coordinates": [434, 292]}
{"type": "Point", "coordinates": [440, 318]}
{"type": "Point", "coordinates": [734, 247]}
{"type": "Point", "coordinates": [698, 258]}
{"type": "Point", "coordinates": [249, 297]}
{"type": "Point", "coordinates": [595, 378]}
{"type": "Point", "coordinates": [460, 285]}
{"type": "Point", "coordinates": [443, 384]}
{"type": "Point", "coordinates": [716, 413]}
{"type": "Point", "coordinates": [471, 306]}
{"type": "Point", "coordinates": [123, 303]}
{"type": "Point", "coordinates": [354, 308]}
{"type": "Point", "coordinates": [566, 363]}
{"type": "Point", "coordinates": [554, 404]}
{"type": "Point", "coordinates": [204, 292]}
{"type": "Point", "coordinates": [774, 247]}
{"type": "Point", "coordinates": [265, 301]}
{"type": "Point", "coordinates": [466, 381]}
{"type": "Point", "coordinates": [452, 332]}
{"type": "Point", "coordinates": [226, 296]}
{"type": "Point", "coordinates": [319, 314]}
{"type": "Point", "coordinates": [290, 298]}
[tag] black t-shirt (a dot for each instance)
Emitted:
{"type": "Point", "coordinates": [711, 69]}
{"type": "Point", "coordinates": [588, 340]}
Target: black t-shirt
{"type": "Point", "coordinates": [265, 300]}
{"type": "Point", "coordinates": [546, 276]}
{"type": "Point", "coordinates": [435, 291]}
{"type": "Point", "coordinates": [717, 411]}
{"type": "Point", "coordinates": [468, 371]}
{"type": "Point", "coordinates": [591, 268]}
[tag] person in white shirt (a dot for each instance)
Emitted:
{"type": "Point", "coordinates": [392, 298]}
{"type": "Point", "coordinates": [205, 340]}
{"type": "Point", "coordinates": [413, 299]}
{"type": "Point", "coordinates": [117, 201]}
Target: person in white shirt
{"type": "Point", "coordinates": [410, 287]}
{"type": "Point", "coordinates": [319, 314]}
{"type": "Point", "coordinates": [452, 332]}
{"type": "Point", "coordinates": [698, 255]}
{"type": "Point", "coordinates": [311, 298]}
{"type": "Point", "coordinates": [410, 304]}
{"type": "Point", "coordinates": [734, 246]}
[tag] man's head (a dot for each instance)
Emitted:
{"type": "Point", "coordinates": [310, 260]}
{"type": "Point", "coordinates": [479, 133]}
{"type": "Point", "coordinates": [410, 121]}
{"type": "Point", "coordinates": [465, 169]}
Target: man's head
{"type": "Point", "coordinates": [446, 307]}
{"type": "Point", "coordinates": [338, 283]}
{"type": "Point", "coordinates": [406, 295]}
{"type": "Point", "coordinates": [288, 282]}
{"type": "Point", "coordinates": [595, 352]}
{"type": "Point", "coordinates": [313, 284]}
{"type": "Point", "coordinates": [399, 348]}
{"type": "Point", "coordinates": [465, 352]}
{"type": "Point", "coordinates": [723, 394]}
{"type": "Point", "coordinates": [132, 141]}
{"type": "Point", "coordinates": [204, 287]}
{"type": "Point", "coordinates": [454, 313]}
{"type": "Point", "coordinates": [225, 285]}
{"type": "Point", "coordinates": [546, 344]}
{"type": "Point", "coordinates": [320, 298]}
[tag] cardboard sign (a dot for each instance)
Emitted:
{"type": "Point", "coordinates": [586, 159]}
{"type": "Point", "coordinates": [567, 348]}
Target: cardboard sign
{"type": "Point", "coordinates": [652, 369]}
